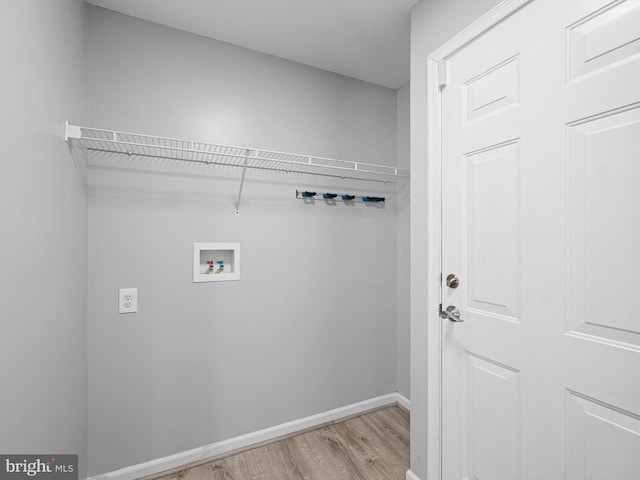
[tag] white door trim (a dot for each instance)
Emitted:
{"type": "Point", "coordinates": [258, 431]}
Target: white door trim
{"type": "Point", "coordinates": [435, 78]}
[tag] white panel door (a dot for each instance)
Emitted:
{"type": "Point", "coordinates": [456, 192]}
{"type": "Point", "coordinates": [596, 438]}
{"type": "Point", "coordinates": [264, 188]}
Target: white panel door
{"type": "Point", "coordinates": [541, 225]}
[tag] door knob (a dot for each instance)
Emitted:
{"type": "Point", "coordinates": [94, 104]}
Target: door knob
{"type": "Point", "coordinates": [452, 313]}
{"type": "Point", "coordinates": [452, 281]}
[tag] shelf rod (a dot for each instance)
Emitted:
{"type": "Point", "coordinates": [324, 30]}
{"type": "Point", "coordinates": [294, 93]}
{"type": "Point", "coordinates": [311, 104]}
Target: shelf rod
{"type": "Point", "coordinates": [76, 134]}
{"type": "Point", "coordinates": [231, 155]}
{"type": "Point", "coordinates": [161, 147]}
{"type": "Point", "coordinates": [253, 167]}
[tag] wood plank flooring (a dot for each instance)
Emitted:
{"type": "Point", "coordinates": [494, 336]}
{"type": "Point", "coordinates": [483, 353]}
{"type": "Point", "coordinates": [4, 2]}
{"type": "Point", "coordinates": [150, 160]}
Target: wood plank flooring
{"type": "Point", "coordinates": [373, 446]}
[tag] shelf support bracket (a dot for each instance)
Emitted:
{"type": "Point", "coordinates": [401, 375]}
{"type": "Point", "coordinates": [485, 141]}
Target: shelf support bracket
{"type": "Point", "coordinates": [244, 171]}
{"type": "Point", "coordinates": [71, 131]}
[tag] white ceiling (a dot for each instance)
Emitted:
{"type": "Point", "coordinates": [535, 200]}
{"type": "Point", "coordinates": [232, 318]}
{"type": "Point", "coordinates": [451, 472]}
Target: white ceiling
{"type": "Point", "coordinates": [364, 39]}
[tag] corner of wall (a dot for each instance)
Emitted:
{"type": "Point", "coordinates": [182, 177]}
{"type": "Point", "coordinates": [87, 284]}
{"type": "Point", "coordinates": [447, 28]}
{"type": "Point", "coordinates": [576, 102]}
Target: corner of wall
{"type": "Point", "coordinates": [402, 246]}
{"type": "Point", "coordinates": [45, 217]}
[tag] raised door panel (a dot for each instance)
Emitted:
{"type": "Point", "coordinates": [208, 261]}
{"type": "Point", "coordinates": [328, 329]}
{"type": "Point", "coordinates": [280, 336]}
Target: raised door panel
{"type": "Point", "coordinates": [492, 420]}
{"type": "Point", "coordinates": [603, 179]}
{"type": "Point", "coordinates": [603, 442]}
{"type": "Point", "coordinates": [604, 39]}
{"type": "Point", "coordinates": [492, 91]}
{"type": "Point", "coordinates": [492, 231]}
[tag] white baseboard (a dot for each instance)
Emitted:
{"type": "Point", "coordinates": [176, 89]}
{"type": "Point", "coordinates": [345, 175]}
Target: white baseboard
{"type": "Point", "coordinates": [411, 475]}
{"type": "Point", "coordinates": [404, 402]}
{"type": "Point", "coordinates": [242, 442]}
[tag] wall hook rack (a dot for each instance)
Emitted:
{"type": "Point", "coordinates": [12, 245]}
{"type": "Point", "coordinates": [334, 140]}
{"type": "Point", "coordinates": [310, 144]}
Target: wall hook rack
{"type": "Point", "coordinates": [133, 144]}
{"type": "Point", "coordinates": [306, 194]}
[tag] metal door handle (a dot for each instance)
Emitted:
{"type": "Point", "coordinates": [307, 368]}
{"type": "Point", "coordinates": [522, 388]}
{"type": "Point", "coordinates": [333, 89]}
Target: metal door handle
{"type": "Point", "coordinates": [452, 281]}
{"type": "Point", "coordinates": [451, 313]}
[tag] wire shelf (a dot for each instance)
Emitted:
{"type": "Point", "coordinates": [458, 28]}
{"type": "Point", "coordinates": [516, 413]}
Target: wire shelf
{"type": "Point", "coordinates": [99, 140]}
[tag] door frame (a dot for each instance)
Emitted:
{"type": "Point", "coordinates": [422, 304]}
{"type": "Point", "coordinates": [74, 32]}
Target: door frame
{"type": "Point", "coordinates": [436, 80]}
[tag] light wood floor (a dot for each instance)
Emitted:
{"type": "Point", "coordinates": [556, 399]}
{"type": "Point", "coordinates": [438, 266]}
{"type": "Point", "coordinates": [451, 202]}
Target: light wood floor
{"type": "Point", "coordinates": [374, 446]}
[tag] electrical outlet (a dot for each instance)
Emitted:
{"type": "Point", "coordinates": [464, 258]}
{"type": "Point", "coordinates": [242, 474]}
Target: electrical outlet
{"type": "Point", "coordinates": [128, 300]}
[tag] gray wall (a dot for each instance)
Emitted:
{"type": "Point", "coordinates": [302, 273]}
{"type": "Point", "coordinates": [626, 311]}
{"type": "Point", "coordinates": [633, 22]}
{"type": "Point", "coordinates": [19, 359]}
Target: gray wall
{"type": "Point", "coordinates": [432, 24]}
{"type": "Point", "coordinates": [402, 246]}
{"type": "Point", "coordinates": [310, 326]}
{"type": "Point", "coordinates": [43, 207]}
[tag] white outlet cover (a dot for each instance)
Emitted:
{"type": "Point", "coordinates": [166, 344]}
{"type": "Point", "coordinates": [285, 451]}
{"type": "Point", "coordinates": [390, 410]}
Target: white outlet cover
{"type": "Point", "coordinates": [128, 300]}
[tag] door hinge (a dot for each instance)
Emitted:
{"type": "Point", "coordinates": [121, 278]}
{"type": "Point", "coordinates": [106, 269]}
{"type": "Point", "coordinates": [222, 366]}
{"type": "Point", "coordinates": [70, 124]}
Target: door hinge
{"type": "Point", "coordinates": [442, 73]}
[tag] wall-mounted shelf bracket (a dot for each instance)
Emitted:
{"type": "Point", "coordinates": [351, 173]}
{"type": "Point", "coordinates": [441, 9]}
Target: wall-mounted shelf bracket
{"type": "Point", "coordinates": [248, 154]}
{"type": "Point", "coordinates": [71, 131]}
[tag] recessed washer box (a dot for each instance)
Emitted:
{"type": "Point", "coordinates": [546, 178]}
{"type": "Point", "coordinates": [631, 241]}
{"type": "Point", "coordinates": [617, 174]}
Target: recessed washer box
{"type": "Point", "coordinates": [209, 257]}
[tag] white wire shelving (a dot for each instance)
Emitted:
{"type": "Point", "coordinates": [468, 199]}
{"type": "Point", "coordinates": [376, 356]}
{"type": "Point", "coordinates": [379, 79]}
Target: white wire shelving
{"type": "Point", "coordinates": [100, 140]}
